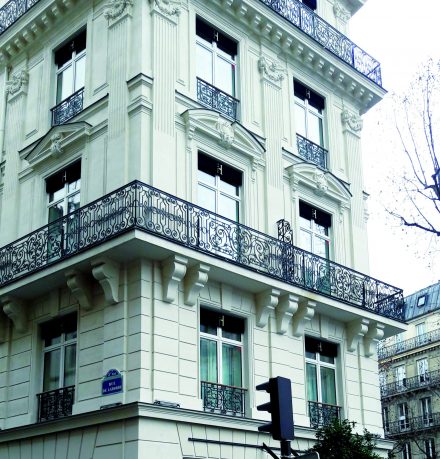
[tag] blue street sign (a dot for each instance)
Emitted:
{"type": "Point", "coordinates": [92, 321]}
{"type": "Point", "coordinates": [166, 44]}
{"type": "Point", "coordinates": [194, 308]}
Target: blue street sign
{"type": "Point", "coordinates": [112, 382]}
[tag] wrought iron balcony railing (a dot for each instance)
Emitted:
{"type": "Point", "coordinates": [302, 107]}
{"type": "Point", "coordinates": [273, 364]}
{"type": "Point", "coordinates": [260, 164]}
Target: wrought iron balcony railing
{"type": "Point", "coordinates": [305, 19]}
{"type": "Point", "coordinates": [215, 98]}
{"type": "Point", "coordinates": [323, 414]}
{"type": "Point", "coordinates": [12, 11]}
{"type": "Point", "coordinates": [55, 403]}
{"type": "Point", "coordinates": [411, 425]}
{"type": "Point", "coordinates": [383, 352]}
{"type": "Point", "coordinates": [423, 381]}
{"type": "Point", "coordinates": [68, 108]}
{"type": "Point", "coordinates": [222, 399]}
{"type": "Point", "coordinates": [140, 206]}
{"type": "Point", "coordinates": [311, 151]}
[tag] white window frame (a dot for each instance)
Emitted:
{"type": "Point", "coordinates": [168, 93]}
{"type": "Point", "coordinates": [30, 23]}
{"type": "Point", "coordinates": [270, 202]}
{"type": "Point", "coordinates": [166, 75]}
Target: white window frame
{"type": "Point", "coordinates": [400, 376]}
{"type": "Point", "coordinates": [422, 370]}
{"type": "Point", "coordinates": [421, 329]}
{"type": "Point", "coordinates": [403, 415]}
{"type": "Point", "coordinates": [406, 451]}
{"type": "Point", "coordinates": [314, 233]}
{"type": "Point", "coordinates": [64, 199]}
{"type": "Point", "coordinates": [426, 410]}
{"type": "Point", "coordinates": [430, 447]}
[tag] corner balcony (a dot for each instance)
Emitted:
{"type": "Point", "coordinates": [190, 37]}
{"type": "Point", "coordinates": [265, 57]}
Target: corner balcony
{"type": "Point", "coordinates": [414, 425]}
{"type": "Point", "coordinates": [420, 382]}
{"type": "Point", "coordinates": [384, 352]}
{"type": "Point", "coordinates": [138, 206]}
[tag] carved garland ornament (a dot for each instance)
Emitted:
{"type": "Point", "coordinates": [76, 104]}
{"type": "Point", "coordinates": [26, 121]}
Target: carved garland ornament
{"type": "Point", "coordinates": [168, 7]}
{"type": "Point", "coordinates": [341, 12]}
{"type": "Point", "coordinates": [271, 70]}
{"type": "Point", "coordinates": [115, 8]}
{"type": "Point", "coordinates": [352, 121]}
{"type": "Point", "coordinates": [17, 82]}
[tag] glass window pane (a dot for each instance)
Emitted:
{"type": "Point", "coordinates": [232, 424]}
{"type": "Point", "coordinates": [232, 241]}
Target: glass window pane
{"type": "Point", "coordinates": [69, 365]}
{"type": "Point", "coordinates": [73, 186]}
{"type": "Point", "coordinates": [228, 188]}
{"type": "Point", "coordinates": [206, 198]}
{"type": "Point", "coordinates": [224, 76]}
{"type": "Point", "coordinates": [300, 120]}
{"type": "Point", "coordinates": [304, 223]}
{"type": "Point", "coordinates": [204, 63]}
{"type": "Point", "coordinates": [326, 359]}
{"type": "Point", "coordinates": [80, 73]}
{"type": "Point", "coordinates": [321, 247]}
{"type": "Point", "coordinates": [328, 386]}
{"type": "Point", "coordinates": [305, 240]}
{"type": "Point", "coordinates": [312, 383]}
{"type": "Point", "coordinates": [208, 360]}
{"type": "Point", "coordinates": [231, 335]}
{"type": "Point", "coordinates": [65, 84]}
{"type": "Point", "coordinates": [228, 207]}
{"type": "Point", "coordinates": [206, 178]}
{"type": "Point", "coordinates": [314, 129]}
{"type": "Point", "coordinates": [320, 229]}
{"type": "Point", "coordinates": [311, 355]}
{"type": "Point", "coordinates": [56, 195]}
{"type": "Point", "coordinates": [73, 203]}
{"type": "Point", "coordinates": [51, 378]}
{"type": "Point", "coordinates": [55, 212]}
{"type": "Point", "coordinates": [231, 365]}
{"type": "Point", "coordinates": [207, 328]}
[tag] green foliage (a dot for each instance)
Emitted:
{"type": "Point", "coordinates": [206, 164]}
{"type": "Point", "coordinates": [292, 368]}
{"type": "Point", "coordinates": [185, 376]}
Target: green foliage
{"type": "Point", "coordinates": [337, 441]}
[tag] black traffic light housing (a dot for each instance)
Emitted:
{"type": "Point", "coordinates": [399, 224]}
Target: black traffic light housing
{"type": "Point", "coordinates": [280, 408]}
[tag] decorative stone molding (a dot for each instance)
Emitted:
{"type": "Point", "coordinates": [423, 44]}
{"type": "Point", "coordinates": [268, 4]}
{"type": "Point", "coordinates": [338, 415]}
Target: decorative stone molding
{"type": "Point", "coordinates": [321, 183]}
{"type": "Point", "coordinates": [81, 288]}
{"type": "Point", "coordinates": [304, 314]}
{"type": "Point", "coordinates": [355, 331]}
{"type": "Point", "coordinates": [55, 146]}
{"type": "Point", "coordinates": [16, 310]}
{"type": "Point", "coordinates": [195, 279]}
{"type": "Point", "coordinates": [115, 8]}
{"type": "Point", "coordinates": [169, 7]}
{"type": "Point", "coordinates": [226, 132]}
{"type": "Point", "coordinates": [341, 12]}
{"type": "Point", "coordinates": [366, 209]}
{"type": "Point", "coordinates": [173, 271]}
{"type": "Point", "coordinates": [271, 70]}
{"type": "Point", "coordinates": [374, 335]}
{"type": "Point", "coordinates": [342, 209]}
{"type": "Point", "coordinates": [287, 306]}
{"type": "Point", "coordinates": [266, 302]}
{"type": "Point", "coordinates": [106, 272]}
{"type": "Point", "coordinates": [18, 83]}
{"type": "Point", "coordinates": [351, 121]}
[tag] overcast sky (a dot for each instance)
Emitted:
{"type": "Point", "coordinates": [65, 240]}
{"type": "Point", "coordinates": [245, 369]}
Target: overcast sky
{"type": "Point", "coordinates": [401, 35]}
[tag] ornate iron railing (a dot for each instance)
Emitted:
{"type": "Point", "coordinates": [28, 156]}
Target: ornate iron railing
{"type": "Point", "coordinates": [285, 232]}
{"type": "Point", "coordinates": [383, 351]}
{"type": "Point", "coordinates": [140, 206]}
{"type": "Point", "coordinates": [55, 403]}
{"type": "Point", "coordinates": [222, 399]}
{"type": "Point", "coordinates": [68, 108]}
{"type": "Point", "coordinates": [215, 98]}
{"type": "Point", "coordinates": [323, 414]}
{"type": "Point", "coordinates": [311, 152]}
{"type": "Point", "coordinates": [410, 425]}
{"type": "Point", "coordinates": [305, 19]}
{"type": "Point", "coordinates": [423, 381]}
{"type": "Point", "coordinates": [12, 11]}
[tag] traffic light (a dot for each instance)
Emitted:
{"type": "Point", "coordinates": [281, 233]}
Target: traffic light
{"type": "Point", "coordinates": [280, 408]}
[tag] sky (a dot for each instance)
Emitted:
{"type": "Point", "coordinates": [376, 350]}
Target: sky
{"type": "Point", "coordinates": [401, 35]}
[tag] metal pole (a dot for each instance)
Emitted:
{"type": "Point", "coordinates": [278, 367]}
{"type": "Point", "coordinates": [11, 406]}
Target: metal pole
{"type": "Point", "coordinates": [286, 452]}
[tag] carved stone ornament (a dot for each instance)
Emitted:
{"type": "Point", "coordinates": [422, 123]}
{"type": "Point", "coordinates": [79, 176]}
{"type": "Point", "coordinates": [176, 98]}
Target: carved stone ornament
{"type": "Point", "coordinates": [352, 121]}
{"type": "Point", "coordinates": [17, 82]}
{"type": "Point", "coordinates": [321, 183]}
{"type": "Point", "coordinates": [115, 8]}
{"type": "Point", "coordinates": [341, 12]}
{"type": "Point", "coordinates": [168, 7]}
{"type": "Point", "coordinates": [55, 147]}
{"type": "Point", "coordinates": [226, 132]}
{"type": "Point", "coordinates": [271, 70]}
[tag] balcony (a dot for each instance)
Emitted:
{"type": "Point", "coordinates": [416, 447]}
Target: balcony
{"type": "Point", "coordinates": [322, 414]}
{"type": "Point", "coordinates": [55, 404]}
{"type": "Point", "coordinates": [311, 152]}
{"type": "Point", "coordinates": [216, 99]}
{"type": "Point", "coordinates": [412, 425]}
{"type": "Point", "coordinates": [142, 207]}
{"type": "Point", "coordinates": [424, 381]}
{"type": "Point", "coordinates": [68, 108]}
{"type": "Point", "coordinates": [384, 352]}
{"type": "Point", "coordinates": [12, 11]}
{"type": "Point", "coordinates": [327, 36]}
{"type": "Point", "coordinates": [228, 400]}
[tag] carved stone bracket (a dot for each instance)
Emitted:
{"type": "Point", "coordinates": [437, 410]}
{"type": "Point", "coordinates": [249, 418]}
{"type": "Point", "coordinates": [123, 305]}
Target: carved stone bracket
{"type": "Point", "coordinates": [173, 271]}
{"type": "Point", "coordinates": [18, 83]}
{"type": "Point", "coordinates": [106, 272]}
{"type": "Point", "coordinates": [266, 302]}
{"type": "Point", "coordinates": [16, 310]}
{"type": "Point", "coordinates": [355, 331]}
{"type": "Point", "coordinates": [352, 122]}
{"type": "Point", "coordinates": [304, 314]}
{"type": "Point", "coordinates": [81, 288]}
{"type": "Point", "coordinates": [195, 279]}
{"type": "Point", "coordinates": [116, 8]}
{"type": "Point", "coordinates": [287, 306]}
{"type": "Point", "coordinates": [272, 71]}
{"type": "Point", "coordinates": [374, 334]}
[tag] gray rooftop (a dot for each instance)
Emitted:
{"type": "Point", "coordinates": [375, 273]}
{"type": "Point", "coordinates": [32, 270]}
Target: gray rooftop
{"type": "Point", "coordinates": [422, 302]}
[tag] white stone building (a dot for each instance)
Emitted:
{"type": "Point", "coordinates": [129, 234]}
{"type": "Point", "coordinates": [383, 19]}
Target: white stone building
{"type": "Point", "coordinates": [182, 202]}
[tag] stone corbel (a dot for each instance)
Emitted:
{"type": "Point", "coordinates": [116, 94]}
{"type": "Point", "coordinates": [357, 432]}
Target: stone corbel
{"type": "Point", "coordinates": [374, 334]}
{"type": "Point", "coordinates": [304, 314]}
{"type": "Point", "coordinates": [106, 272]}
{"type": "Point", "coordinates": [81, 288]}
{"type": "Point", "coordinates": [266, 302]}
{"type": "Point", "coordinates": [287, 306]}
{"type": "Point", "coordinates": [195, 279]}
{"type": "Point", "coordinates": [355, 331]}
{"type": "Point", "coordinates": [16, 310]}
{"type": "Point", "coordinates": [173, 271]}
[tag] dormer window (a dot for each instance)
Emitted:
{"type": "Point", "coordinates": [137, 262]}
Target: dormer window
{"type": "Point", "coordinates": [421, 301]}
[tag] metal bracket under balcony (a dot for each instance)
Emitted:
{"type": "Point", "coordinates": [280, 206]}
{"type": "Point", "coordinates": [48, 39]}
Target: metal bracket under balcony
{"type": "Point", "coordinates": [384, 352]}
{"type": "Point", "coordinates": [12, 11]}
{"type": "Point", "coordinates": [222, 399]}
{"type": "Point", "coordinates": [423, 381]}
{"type": "Point", "coordinates": [311, 152]}
{"type": "Point", "coordinates": [55, 404]}
{"type": "Point", "coordinates": [323, 414]}
{"type": "Point", "coordinates": [68, 108]}
{"type": "Point", "coordinates": [215, 98]}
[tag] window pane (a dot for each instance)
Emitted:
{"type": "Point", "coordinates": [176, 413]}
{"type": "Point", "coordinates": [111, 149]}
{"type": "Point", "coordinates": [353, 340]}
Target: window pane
{"type": "Point", "coordinates": [327, 359]}
{"type": "Point", "coordinates": [321, 247]}
{"type": "Point", "coordinates": [314, 129]}
{"type": "Point", "coordinates": [69, 365]}
{"type": "Point", "coordinates": [206, 178]}
{"type": "Point", "coordinates": [305, 240]}
{"type": "Point", "coordinates": [228, 188]}
{"type": "Point", "coordinates": [300, 120]}
{"type": "Point", "coordinates": [65, 84]}
{"type": "Point", "coordinates": [73, 203]}
{"type": "Point", "coordinates": [208, 360]}
{"type": "Point", "coordinates": [231, 365]}
{"type": "Point", "coordinates": [312, 383]}
{"type": "Point", "coordinates": [80, 73]}
{"type": "Point", "coordinates": [228, 207]}
{"type": "Point", "coordinates": [55, 212]}
{"type": "Point", "coordinates": [204, 63]}
{"type": "Point", "coordinates": [73, 186]}
{"type": "Point", "coordinates": [51, 379]}
{"type": "Point", "coordinates": [224, 76]}
{"type": "Point", "coordinates": [328, 386]}
{"type": "Point", "coordinates": [206, 198]}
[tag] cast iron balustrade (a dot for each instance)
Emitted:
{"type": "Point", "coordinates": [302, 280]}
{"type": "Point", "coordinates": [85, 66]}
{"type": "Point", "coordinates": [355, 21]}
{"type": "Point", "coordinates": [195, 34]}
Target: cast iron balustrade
{"type": "Point", "coordinates": [285, 232]}
{"type": "Point", "coordinates": [215, 98]}
{"type": "Point", "coordinates": [68, 108]}
{"type": "Point", "coordinates": [222, 399]}
{"type": "Point", "coordinates": [305, 19]}
{"type": "Point", "coordinates": [383, 352]}
{"type": "Point", "coordinates": [142, 207]}
{"type": "Point", "coordinates": [311, 151]}
{"type": "Point", "coordinates": [323, 414]}
{"type": "Point", "coordinates": [55, 403]}
{"type": "Point", "coordinates": [423, 381]}
{"type": "Point", "coordinates": [12, 11]}
{"type": "Point", "coordinates": [415, 424]}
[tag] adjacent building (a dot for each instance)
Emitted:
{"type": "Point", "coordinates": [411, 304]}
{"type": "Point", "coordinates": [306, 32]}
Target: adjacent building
{"type": "Point", "coordinates": [183, 216]}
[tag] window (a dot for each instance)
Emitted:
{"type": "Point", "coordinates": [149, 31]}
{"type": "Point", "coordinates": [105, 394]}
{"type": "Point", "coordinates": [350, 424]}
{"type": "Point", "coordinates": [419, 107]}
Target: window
{"type": "Point", "coordinates": [221, 362]}
{"type": "Point", "coordinates": [430, 448]}
{"type": "Point", "coordinates": [426, 410]}
{"type": "Point", "coordinates": [398, 340]}
{"type": "Point", "coordinates": [400, 376]}
{"type": "Point", "coordinates": [420, 329]}
{"type": "Point", "coordinates": [314, 230]}
{"type": "Point", "coordinates": [403, 413]}
{"type": "Point", "coordinates": [386, 419]}
{"type": "Point", "coordinates": [406, 451]}
{"type": "Point", "coordinates": [421, 301]}
{"type": "Point", "coordinates": [422, 370]}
